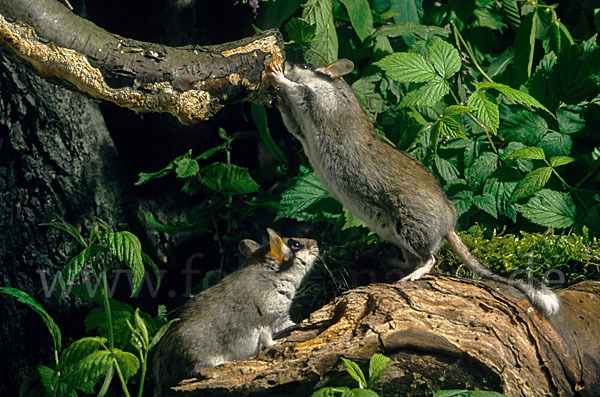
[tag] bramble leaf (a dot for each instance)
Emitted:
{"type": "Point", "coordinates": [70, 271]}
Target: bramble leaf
{"type": "Point", "coordinates": [428, 94]}
{"type": "Point", "coordinates": [228, 179]}
{"type": "Point", "coordinates": [407, 67]}
{"type": "Point", "coordinates": [486, 110]}
{"type": "Point", "coordinates": [361, 19]}
{"type": "Point", "coordinates": [550, 208]}
{"type": "Point", "coordinates": [531, 183]}
{"type": "Point", "coordinates": [445, 58]}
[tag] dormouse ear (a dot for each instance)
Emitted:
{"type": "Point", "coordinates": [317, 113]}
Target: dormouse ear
{"type": "Point", "coordinates": [247, 247]}
{"type": "Point", "coordinates": [279, 250]}
{"type": "Point", "coordinates": [339, 68]}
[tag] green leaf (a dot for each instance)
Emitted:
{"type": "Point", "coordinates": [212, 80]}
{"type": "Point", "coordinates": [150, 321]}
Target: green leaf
{"type": "Point", "coordinates": [428, 94]}
{"type": "Point", "coordinates": [77, 263]}
{"type": "Point", "coordinates": [569, 120]}
{"type": "Point", "coordinates": [446, 169]}
{"type": "Point", "coordinates": [447, 127]}
{"type": "Point", "coordinates": [408, 10]}
{"type": "Point", "coordinates": [533, 153]}
{"type": "Point", "coordinates": [330, 391]}
{"type": "Point", "coordinates": [407, 67]}
{"type": "Point", "coordinates": [299, 31]}
{"type": "Point", "coordinates": [525, 44]}
{"type": "Point", "coordinates": [501, 184]}
{"type": "Point", "coordinates": [560, 160]}
{"type": "Point", "coordinates": [324, 46]}
{"type": "Point", "coordinates": [306, 191]}
{"type": "Point", "coordinates": [128, 249]}
{"type": "Point", "coordinates": [486, 19]}
{"type": "Point", "coordinates": [128, 363]}
{"type": "Point", "coordinates": [405, 28]}
{"type": "Point", "coordinates": [78, 350]}
{"type": "Point", "coordinates": [364, 88]}
{"type": "Point", "coordinates": [454, 110]}
{"type": "Point", "coordinates": [550, 208]}
{"type": "Point", "coordinates": [360, 393]}
{"type": "Point", "coordinates": [556, 144]}
{"type": "Point", "coordinates": [147, 260]}
{"type": "Point", "coordinates": [463, 201]}
{"type": "Point", "coordinates": [141, 326]}
{"type": "Point", "coordinates": [277, 12]}
{"type": "Point", "coordinates": [482, 167]}
{"type": "Point", "coordinates": [355, 372]}
{"type": "Point", "coordinates": [144, 177]}
{"type": "Point", "coordinates": [66, 227]}
{"type": "Point", "coordinates": [445, 58]}
{"type": "Point", "coordinates": [487, 111]}
{"type": "Point", "coordinates": [377, 366]}
{"type": "Point", "coordinates": [525, 127]}
{"type": "Point", "coordinates": [487, 203]}
{"type": "Point", "coordinates": [361, 19]}
{"type": "Point", "coordinates": [228, 179]}
{"type": "Point", "coordinates": [351, 220]}
{"type": "Point", "coordinates": [187, 167]}
{"type": "Point", "coordinates": [89, 369]}
{"type": "Point", "coordinates": [531, 183]}
{"type": "Point", "coordinates": [25, 298]}
{"type": "Point", "coordinates": [518, 96]}
{"type": "Point", "coordinates": [467, 393]}
{"type": "Point", "coordinates": [161, 332]}
{"type": "Point", "coordinates": [259, 116]}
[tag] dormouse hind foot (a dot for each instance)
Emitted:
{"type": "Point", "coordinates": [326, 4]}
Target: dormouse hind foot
{"type": "Point", "coordinates": [420, 271]}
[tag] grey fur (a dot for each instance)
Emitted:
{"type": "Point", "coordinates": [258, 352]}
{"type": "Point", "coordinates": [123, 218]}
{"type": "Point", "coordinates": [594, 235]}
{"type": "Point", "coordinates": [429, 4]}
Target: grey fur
{"type": "Point", "coordinates": [237, 317]}
{"type": "Point", "coordinates": [390, 190]}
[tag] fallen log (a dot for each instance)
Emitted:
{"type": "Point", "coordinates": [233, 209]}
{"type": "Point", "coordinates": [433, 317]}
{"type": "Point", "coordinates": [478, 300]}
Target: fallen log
{"type": "Point", "coordinates": [445, 332]}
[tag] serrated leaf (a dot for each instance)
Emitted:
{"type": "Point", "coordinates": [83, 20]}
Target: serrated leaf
{"type": "Point", "coordinates": [445, 58]}
{"type": "Point", "coordinates": [351, 220]}
{"type": "Point", "coordinates": [501, 184]}
{"type": "Point", "coordinates": [525, 127]}
{"type": "Point", "coordinates": [128, 250]}
{"type": "Point", "coordinates": [361, 19]}
{"type": "Point", "coordinates": [144, 177]}
{"type": "Point", "coordinates": [90, 368]}
{"type": "Point", "coordinates": [463, 201]}
{"type": "Point", "coordinates": [187, 168]}
{"type": "Point", "coordinates": [364, 88]}
{"type": "Point", "coordinates": [486, 202]}
{"type": "Point", "coordinates": [355, 372]}
{"type": "Point", "coordinates": [78, 350]}
{"type": "Point", "coordinates": [28, 300]}
{"type": "Point", "coordinates": [377, 366]}
{"type": "Point", "coordinates": [77, 263]}
{"type": "Point", "coordinates": [447, 127]}
{"type": "Point", "coordinates": [161, 332]}
{"type": "Point", "coordinates": [532, 153]}
{"type": "Point", "coordinates": [48, 377]}
{"type": "Point", "coordinates": [454, 110]}
{"type": "Point", "coordinates": [228, 179]}
{"type": "Point", "coordinates": [569, 120]}
{"type": "Point", "coordinates": [556, 144]}
{"type": "Point", "coordinates": [299, 31]}
{"type": "Point", "coordinates": [68, 228]}
{"type": "Point", "coordinates": [510, 11]}
{"type": "Point", "coordinates": [531, 183]}
{"type": "Point", "coordinates": [428, 94]}
{"type": "Point", "coordinates": [128, 363]}
{"type": "Point", "coordinates": [306, 191]}
{"type": "Point", "coordinates": [482, 167]}
{"type": "Point", "coordinates": [324, 46]}
{"type": "Point", "coordinates": [147, 260]}
{"type": "Point", "coordinates": [550, 208]}
{"type": "Point", "coordinates": [446, 169]}
{"type": "Point", "coordinates": [560, 160]}
{"type": "Point", "coordinates": [407, 67]}
{"type": "Point", "coordinates": [518, 96]}
{"type": "Point", "coordinates": [486, 110]}
{"type": "Point", "coordinates": [210, 152]}
{"type": "Point", "coordinates": [406, 28]}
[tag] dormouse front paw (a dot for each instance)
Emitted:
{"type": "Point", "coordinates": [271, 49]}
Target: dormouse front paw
{"type": "Point", "coordinates": [275, 74]}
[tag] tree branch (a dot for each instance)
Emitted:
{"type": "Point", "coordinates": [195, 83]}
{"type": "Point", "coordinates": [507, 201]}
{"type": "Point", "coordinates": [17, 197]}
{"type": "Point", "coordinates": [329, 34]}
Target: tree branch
{"type": "Point", "coordinates": [191, 82]}
{"type": "Point", "coordinates": [446, 333]}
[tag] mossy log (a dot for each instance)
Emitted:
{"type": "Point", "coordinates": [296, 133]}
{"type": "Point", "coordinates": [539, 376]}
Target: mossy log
{"type": "Point", "coordinates": [191, 82]}
{"type": "Point", "coordinates": [445, 332]}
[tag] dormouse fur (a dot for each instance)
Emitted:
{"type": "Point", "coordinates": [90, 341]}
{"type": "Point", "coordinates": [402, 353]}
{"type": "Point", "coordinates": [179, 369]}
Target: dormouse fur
{"type": "Point", "coordinates": [390, 190]}
{"type": "Point", "coordinates": [237, 317]}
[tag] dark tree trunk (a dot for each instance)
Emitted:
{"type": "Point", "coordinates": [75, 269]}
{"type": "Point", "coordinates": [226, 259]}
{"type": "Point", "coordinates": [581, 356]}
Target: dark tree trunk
{"type": "Point", "coordinates": [445, 332]}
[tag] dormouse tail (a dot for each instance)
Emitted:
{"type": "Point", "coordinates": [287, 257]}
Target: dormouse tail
{"type": "Point", "coordinates": [542, 297]}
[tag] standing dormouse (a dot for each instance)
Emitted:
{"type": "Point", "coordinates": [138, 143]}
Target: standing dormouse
{"type": "Point", "coordinates": [390, 190]}
{"type": "Point", "coordinates": [237, 317]}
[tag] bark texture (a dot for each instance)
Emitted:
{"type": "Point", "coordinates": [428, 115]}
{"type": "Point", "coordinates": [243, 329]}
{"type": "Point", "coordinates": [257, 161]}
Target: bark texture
{"type": "Point", "coordinates": [191, 82]}
{"type": "Point", "coordinates": [445, 332]}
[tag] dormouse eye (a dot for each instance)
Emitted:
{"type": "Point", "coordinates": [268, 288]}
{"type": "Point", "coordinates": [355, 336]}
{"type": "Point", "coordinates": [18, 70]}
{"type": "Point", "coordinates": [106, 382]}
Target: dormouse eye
{"type": "Point", "coordinates": [294, 245]}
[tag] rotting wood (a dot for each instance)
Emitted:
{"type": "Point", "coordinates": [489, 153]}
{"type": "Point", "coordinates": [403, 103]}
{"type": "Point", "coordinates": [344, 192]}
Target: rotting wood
{"type": "Point", "coordinates": [446, 333]}
{"type": "Point", "coordinates": [192, 82]}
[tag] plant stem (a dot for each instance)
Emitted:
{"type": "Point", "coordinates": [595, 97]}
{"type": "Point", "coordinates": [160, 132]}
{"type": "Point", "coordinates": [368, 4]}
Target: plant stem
{"type": "Point", "coordinates": [470, 52]}
{"type": "Point", "coordinates": [110, 372]}
{"type": "Point", "coordinates": [123, 383]}
{"type": "Point", "coordinates": [143, 374]}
